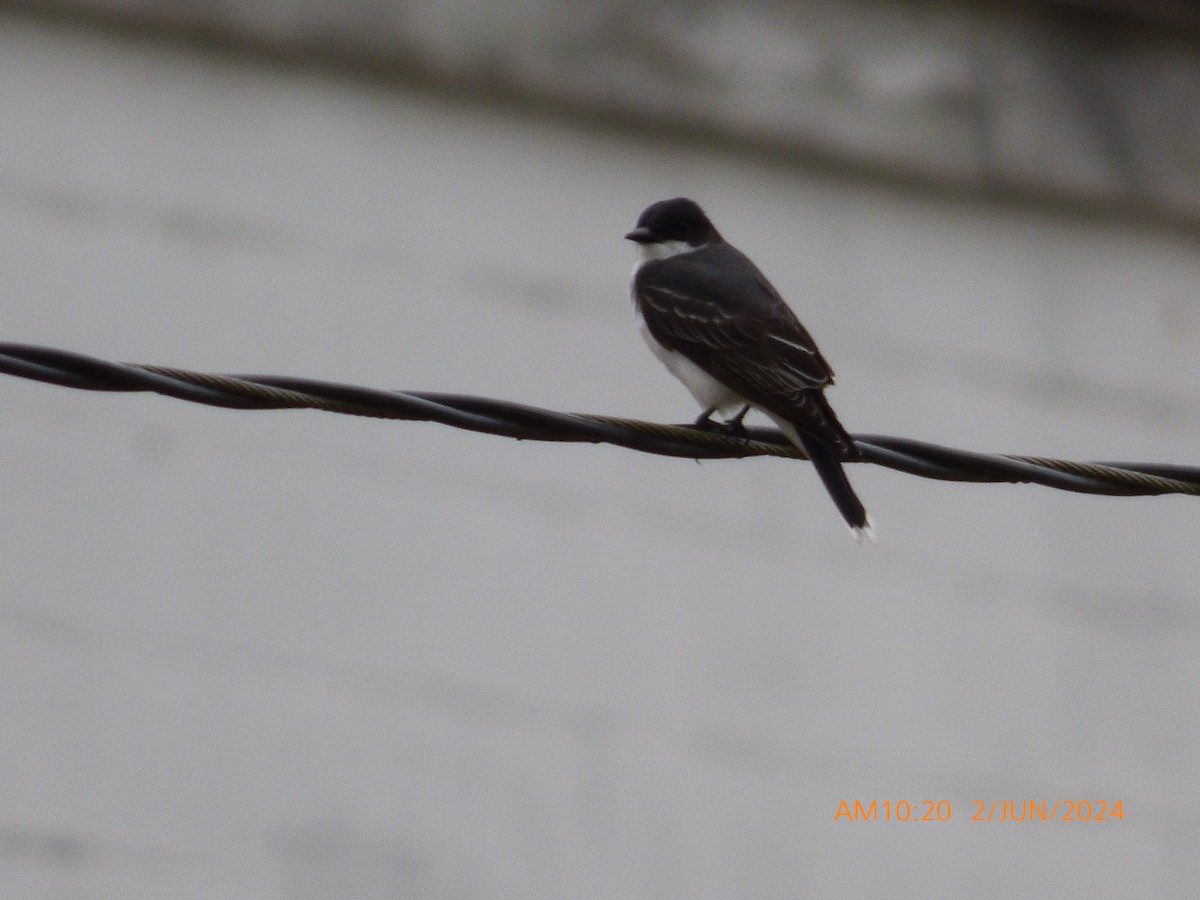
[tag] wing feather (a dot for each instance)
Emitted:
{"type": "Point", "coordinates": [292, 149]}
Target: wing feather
{"type": "Point", "coordinates": [716, 308]}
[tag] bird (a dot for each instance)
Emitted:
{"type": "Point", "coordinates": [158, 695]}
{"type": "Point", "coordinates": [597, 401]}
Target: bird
{"type": "Point", "coordinates": [714, 320]}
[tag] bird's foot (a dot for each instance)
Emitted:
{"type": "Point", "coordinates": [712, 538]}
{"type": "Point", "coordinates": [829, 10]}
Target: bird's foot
{"type": "Point", "coordinates": [733, 427]}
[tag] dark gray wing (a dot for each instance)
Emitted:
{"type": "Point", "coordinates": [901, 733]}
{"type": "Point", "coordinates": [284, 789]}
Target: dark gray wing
{"type": "Point", "coordinates": [716, 308]}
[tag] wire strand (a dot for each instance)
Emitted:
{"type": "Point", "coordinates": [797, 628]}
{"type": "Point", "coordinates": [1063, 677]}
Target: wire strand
{"type": "Point", "coordinates": [521, 422]}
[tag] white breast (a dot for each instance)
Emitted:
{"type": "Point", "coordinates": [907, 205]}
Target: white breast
{"type": "Point", "coordinates": [709, 393]}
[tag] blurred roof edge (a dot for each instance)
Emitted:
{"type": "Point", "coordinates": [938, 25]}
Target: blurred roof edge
{"type": "Point", "coordinates": [1090, 103]}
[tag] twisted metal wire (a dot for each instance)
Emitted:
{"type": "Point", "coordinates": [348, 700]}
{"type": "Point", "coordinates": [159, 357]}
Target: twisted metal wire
{"type": "Point", "coordinates": [522, 422]}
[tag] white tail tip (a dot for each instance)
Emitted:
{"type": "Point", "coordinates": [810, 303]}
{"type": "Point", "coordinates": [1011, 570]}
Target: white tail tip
{"type": "Point", "coordinates": [866, 534]}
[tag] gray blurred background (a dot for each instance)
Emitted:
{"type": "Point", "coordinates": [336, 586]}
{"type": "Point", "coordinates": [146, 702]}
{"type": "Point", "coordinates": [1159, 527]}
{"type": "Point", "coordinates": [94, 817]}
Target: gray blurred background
{"type": "Point", "coordinates": [292, 655]}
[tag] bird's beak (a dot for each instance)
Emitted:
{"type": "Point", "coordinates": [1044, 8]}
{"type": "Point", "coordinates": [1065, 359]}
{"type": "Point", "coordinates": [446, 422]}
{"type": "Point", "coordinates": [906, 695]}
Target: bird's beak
{"type": "Point", "coordinates": [641, 235]}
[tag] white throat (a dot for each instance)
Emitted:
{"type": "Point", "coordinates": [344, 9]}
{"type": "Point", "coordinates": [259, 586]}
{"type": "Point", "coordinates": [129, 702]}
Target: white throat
{"type": "Point", "coordinates": [662, 250]}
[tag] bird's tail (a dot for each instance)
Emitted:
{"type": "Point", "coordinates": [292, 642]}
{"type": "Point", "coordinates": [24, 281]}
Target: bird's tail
{"type": "Point", "coordinates": [829, 467]}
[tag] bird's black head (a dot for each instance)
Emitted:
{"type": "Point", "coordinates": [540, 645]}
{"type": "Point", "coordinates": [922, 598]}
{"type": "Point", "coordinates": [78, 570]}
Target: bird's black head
{"type": "Point", "coordinates": [679, 220]}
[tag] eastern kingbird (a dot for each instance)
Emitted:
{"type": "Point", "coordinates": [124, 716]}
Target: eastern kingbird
{"type": "Point", "coordinates": [722, 329]}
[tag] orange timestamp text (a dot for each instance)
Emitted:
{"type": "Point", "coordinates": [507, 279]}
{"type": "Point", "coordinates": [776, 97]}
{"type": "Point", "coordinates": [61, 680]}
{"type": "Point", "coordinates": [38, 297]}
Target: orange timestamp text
{"type": "Point", "coordinates": [996, 812]}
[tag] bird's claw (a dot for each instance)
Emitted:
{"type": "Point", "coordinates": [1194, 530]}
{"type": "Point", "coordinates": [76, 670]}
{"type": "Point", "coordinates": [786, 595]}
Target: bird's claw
{"type": "Point", "coordinates": [731, 428]}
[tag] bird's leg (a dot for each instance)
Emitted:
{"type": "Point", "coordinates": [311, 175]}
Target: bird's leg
{"type": "Point", "coordinates": [734, 426]}
{"type": "Point", "coordinates": [704, 421]}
